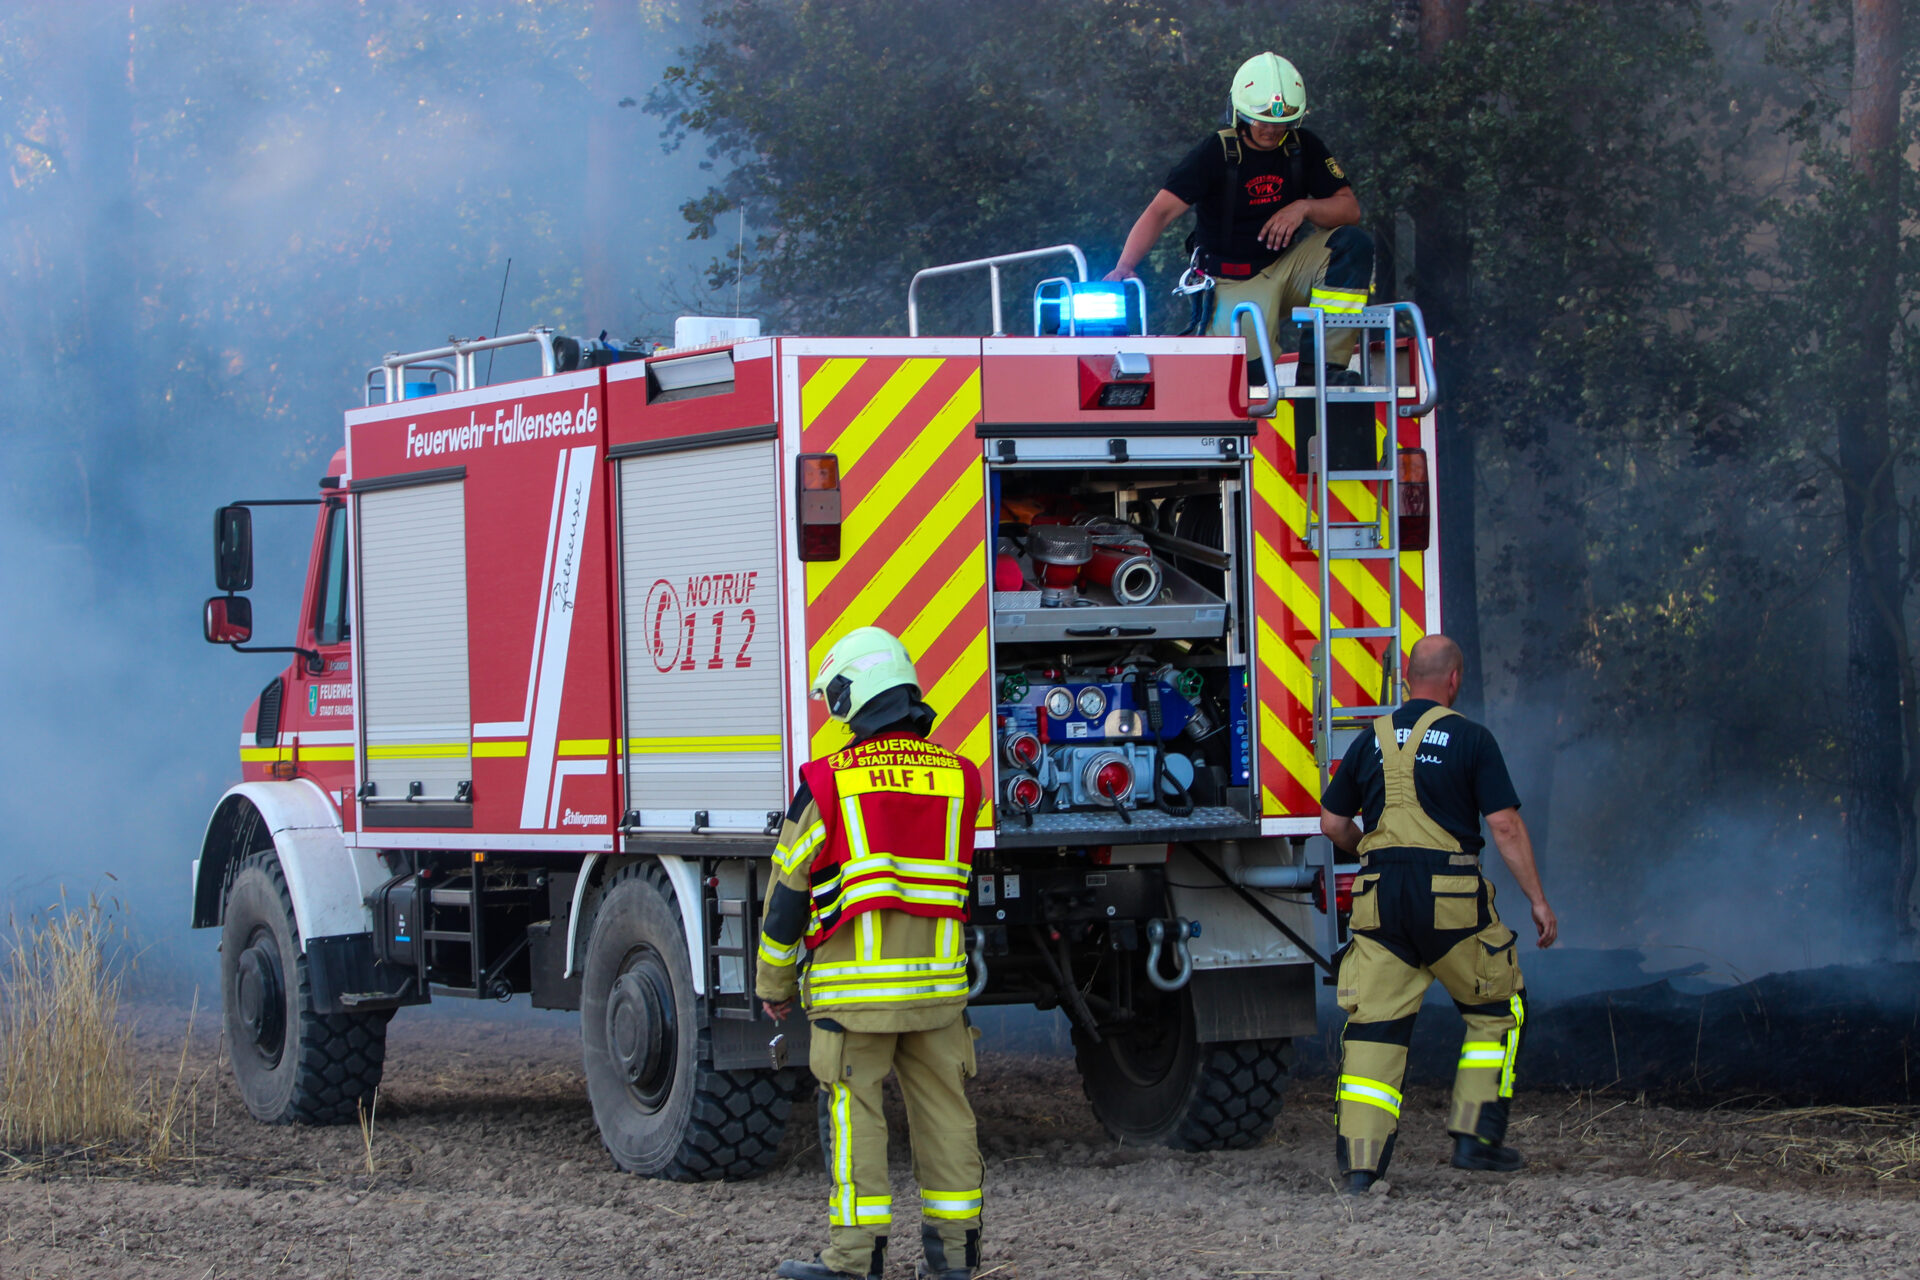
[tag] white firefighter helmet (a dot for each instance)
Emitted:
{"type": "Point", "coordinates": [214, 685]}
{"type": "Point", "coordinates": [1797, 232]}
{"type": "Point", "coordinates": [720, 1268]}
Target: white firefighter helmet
{"type": "Point", "coordinates": [861, 665]}
{"type": "Point", "coordinates": [1267, 90]}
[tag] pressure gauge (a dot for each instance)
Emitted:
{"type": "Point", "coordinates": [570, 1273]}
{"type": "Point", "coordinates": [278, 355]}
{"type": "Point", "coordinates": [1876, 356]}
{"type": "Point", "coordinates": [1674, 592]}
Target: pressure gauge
{"type": "Point", "coordinates": [1059, 703]}
{"type": "Point", "coordinates": [1092, 702]}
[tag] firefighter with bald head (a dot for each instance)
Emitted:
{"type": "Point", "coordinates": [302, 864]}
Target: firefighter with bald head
{"type": "Point", "coordinates": [1423, 778]}
{"type": "Point", "coordinates": [866, 923]}
{"type": "Point", "coordinates": [1275, 219]}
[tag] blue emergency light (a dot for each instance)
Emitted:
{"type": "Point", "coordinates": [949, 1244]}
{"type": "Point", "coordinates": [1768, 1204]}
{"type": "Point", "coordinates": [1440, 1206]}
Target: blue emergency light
{"type": "Point", "coordinates": [1088, 308]}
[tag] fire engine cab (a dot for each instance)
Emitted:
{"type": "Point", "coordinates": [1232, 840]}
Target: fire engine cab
{"type": "Point", "coordinates": [546, 696]}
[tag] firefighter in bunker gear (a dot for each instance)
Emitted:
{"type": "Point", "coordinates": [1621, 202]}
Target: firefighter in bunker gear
{"type": "Point", "coordinates": [870, 883]}
{"type": "Point", "coordinates": [1276, 221]}
{"type": "Point", "coordinates": [1424, 776]}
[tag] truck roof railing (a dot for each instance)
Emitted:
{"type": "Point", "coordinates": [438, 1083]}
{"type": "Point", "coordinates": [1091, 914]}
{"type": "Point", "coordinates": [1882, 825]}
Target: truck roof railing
{"type": "Point", "coordinates": [462, 351]}
{"type": "Point", "coordinates": [992, 267]}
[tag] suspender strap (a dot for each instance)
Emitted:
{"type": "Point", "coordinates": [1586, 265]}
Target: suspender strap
{"type": "Point", "coordinates": [1230, 144]}
{"type": "Point", "coordinates": [1403, 823]}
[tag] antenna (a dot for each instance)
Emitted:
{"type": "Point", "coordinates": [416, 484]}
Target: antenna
{"type": "Point", "coordinates": [739, 257]}
{"type": "Point", "coordinates": [497, 313]}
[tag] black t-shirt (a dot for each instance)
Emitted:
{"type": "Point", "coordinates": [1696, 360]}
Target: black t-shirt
{"type": "Point", "coordinates": [1458, 775]}
{"type": "Point", "coordinates": [1264, 181]}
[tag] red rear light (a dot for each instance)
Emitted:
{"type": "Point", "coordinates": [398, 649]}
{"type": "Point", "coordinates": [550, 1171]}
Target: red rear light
{"type": "Point", "coordinates": [818, 505]}
{"type": "Point", "coordinates": [1342, 891]}
{"type": "Point", "coordinates": [1416, 519]}
{"type": "Point", "coordinates": [1023, 794]}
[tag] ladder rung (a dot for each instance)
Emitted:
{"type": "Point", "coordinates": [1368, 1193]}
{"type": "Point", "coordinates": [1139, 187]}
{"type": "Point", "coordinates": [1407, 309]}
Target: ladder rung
{"type": "Point", "coordinates": [1355, 633]}
{"type": "Point", "coordinates": [1361, 713]}
{"type": "Point", "coordinates": [441, 935]}
{"type": "Point", "coordinates": [733, 906]}
{"type": "Point", "coordinates": [1363, 553]}
{"type": "Point", "coordinates": [1346, 395]}
{"type": "Point", "coordinates": [727, 952]}
{"type": "Point", "coordinates": [1360, 475]}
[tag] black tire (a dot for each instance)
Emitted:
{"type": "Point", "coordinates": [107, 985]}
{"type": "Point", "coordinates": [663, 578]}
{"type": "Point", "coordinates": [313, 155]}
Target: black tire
{"type": "Point", "coordinates": [1157, 1084]}
{"type": "Point", "coordinates": [292, 1065]}
{"type": "Point", "coordinates": [662, 1108]}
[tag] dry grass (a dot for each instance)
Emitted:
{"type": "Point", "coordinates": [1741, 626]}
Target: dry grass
{"type": "Point", "coordinates": [67, 1086]}
{"type": "Point", "coordinates": [66, 1058]}
{"type": "Point", "coordinates": [1867, 1146]}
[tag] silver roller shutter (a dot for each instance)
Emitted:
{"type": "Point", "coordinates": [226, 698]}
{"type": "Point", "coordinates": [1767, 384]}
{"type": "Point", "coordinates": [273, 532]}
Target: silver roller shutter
{"type": "Point", "coordinates": [413, 640]}
{"type": "Point", "coordinates": [701, 632]}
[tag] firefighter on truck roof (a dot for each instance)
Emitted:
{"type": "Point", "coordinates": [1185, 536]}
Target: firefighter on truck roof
{"type": "Point", "coordinates": [1424, 777]}
{"type": "Point", "coordinates": [871, 880]}
{"type": "Point", "coordinates": [1276, 221]}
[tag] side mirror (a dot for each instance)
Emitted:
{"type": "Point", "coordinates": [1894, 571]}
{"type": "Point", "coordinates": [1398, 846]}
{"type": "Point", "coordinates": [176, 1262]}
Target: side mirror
{"type": "Point", "coordinates": [229, 619]}
{"type": "Point", "coordinates": [233, 550]}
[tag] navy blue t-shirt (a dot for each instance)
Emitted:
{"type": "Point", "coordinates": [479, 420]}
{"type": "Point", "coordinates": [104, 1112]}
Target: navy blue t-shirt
{"type": "Point", "coordinates": [1458, 775]}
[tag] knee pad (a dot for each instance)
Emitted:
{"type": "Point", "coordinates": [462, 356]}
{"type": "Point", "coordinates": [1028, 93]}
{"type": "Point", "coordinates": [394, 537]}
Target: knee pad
{"type": "Point", "coordinates": [1349, 258]}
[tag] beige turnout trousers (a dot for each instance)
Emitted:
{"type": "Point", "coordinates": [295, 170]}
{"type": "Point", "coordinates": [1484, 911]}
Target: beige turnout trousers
{"type": "Point", "coordinates": [1421, 913]}
{"type": "Point", "coordinates": [933, 1068]}
{"type": "Point", "coordinates": [1296, 279]}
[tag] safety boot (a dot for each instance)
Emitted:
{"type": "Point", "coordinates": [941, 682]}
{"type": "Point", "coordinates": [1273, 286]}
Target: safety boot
{"type": "Point", "coordinates": [793, 1269]}
{"type": "Point", "coordinates": [925, 1272]}
{"type": "Point", "coordinates": [1359, 1182]}
{"type": "Point", "coordinates": [1470, 1152]}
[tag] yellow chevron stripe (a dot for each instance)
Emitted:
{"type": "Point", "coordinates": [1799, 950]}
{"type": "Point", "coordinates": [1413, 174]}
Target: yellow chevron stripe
{"type": "Point", "coordinates": [1414, 565]}
{"type": "Point", "coordinates": [968, 669]}
{"type": "Point", "coordinates": [1280, 494]}
{"type": "Point", "coordinates": [945, 606]}
{"type": "Point", "coordinates": [881, 504]}
{"type": "Point", "coordinates": [961, 500]}
{"type": "Point", "coordinates": [879, 413]}
{"type": "Point", "coordinates": [1284, 661]}
{"type": "Point", "coordinates": [975, 747]}
{"type": "Point", "coordinates": [1293, 754]}
{"type": "Point", "coordinates": [1277, 493]}
{"type": "Point", "coordinates": [826, 383]}
{"type": "Point", "coordinates": [1303, 603]}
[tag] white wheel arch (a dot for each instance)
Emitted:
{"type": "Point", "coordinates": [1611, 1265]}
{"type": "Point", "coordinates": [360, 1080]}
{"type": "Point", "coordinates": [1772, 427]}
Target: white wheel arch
{"type": "Point", "coordinates": [329, 881]}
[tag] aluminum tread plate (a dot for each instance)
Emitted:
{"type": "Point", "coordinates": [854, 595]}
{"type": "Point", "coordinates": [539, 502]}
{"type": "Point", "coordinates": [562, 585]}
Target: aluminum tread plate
{"type": "Point", "coordinates": [1106, 828]}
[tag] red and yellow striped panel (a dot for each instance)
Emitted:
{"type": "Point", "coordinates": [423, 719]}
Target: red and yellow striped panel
{"type": "Point", "coordinates": [913, 554]}
{"type": "Point", "coordinates": [1286, 605]}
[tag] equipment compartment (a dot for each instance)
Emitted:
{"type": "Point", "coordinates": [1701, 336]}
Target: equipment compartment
{"type": "Point", "coordinates": [1121, 680]}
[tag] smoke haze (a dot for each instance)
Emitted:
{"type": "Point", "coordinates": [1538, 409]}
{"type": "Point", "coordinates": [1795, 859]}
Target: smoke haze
{"type": "Point", "coordinates": [217, 218]}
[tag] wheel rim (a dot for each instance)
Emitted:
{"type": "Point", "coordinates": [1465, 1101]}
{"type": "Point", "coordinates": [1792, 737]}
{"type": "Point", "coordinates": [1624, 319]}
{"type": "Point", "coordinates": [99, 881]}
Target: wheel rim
{"type": "Point", "coordinates": [642, 1027]}
{"type": "Point", "coordinates": [1146, 1055]}
{"type": "Point", "coordinates": [260, 997]}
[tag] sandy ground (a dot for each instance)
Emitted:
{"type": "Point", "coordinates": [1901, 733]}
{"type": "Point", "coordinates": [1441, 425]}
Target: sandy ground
{"type": "Point", "coordinates": [486, 1163]}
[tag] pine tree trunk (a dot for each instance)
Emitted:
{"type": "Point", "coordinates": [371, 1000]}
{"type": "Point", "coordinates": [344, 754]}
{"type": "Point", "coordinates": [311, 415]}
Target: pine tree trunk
{"type": "Point", "coordinates": [1443, 274]}
{"type": "Point", "coordinates": [1874, 798]}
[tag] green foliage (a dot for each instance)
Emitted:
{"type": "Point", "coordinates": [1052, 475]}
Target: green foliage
{"type": "Point", "coordinates": [1661, 254]}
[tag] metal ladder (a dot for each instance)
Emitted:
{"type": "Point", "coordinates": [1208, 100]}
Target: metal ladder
{"type": "Point", "coordinates": [1333, 540]}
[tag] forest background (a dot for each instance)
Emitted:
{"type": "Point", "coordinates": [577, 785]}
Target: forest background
{"type": "Point", "coordinates": [1670, 252]}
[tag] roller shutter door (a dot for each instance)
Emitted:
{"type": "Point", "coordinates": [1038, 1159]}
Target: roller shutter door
{"type": "Point", "coordinates": [413, 641]}
{"type": "Point", "coordinates": [701, 634]}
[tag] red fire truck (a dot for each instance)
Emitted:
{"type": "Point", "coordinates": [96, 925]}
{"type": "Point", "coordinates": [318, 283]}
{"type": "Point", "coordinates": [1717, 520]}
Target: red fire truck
{"type": "Point", "coordinates": [546, 695]}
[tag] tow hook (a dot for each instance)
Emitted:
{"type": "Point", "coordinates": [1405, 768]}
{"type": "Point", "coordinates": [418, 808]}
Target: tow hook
{"type": "Point", "coordinates": [977, 956]}
{"type": "Point", "coordinates": [1157, 931]}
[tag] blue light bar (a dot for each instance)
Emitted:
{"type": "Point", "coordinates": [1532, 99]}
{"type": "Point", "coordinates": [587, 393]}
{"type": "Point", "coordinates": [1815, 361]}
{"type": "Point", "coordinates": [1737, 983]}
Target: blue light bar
{"type": "Point", "coordinates": [1097, 302]}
